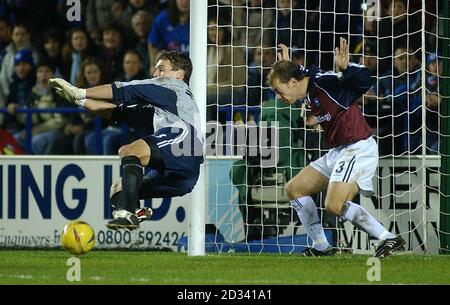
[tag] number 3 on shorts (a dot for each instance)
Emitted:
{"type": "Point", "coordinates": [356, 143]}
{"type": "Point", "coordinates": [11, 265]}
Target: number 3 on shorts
{"type": "Point", "coordinates": [341, 167]}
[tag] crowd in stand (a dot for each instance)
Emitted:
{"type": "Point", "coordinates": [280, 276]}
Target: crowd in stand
{"type": "Point", "coordinates": [117, 40]}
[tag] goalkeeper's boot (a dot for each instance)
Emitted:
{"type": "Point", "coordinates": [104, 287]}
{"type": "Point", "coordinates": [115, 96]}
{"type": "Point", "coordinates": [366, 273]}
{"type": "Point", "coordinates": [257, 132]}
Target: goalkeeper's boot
{"type": "Point", "coordinates": [313, 252]}
{"type": "Point", "coordinates": [141, 213]}
{"type": "Point", "coordinates": [123, 220]}
{"type": "Point", "coordinates": [144, 213]}
{"type": "Point", "coordinates": [389, 245]}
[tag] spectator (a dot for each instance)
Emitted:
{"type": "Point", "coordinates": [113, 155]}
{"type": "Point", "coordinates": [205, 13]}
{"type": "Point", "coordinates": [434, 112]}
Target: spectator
{"type": "Point", "coordinates": [132, 67]}
{"type": "Point", "coordinates": [225, 69]}
{"type": "Point", "coordinates": [45, 125]}
{"type": "Point", "coordinates": [434, 71]}
{"type": "Point", "coordinates": [20, 40]}
{"type": "Point", "coordinates": [98, 14]}
{"type": "Point", "coordinates": [75, 51]}
{"type": "Point", "coordinates": [259, 67]}
{"type": "Point", "coordinates": [52, 52]}
{"type": "Point", "coordinates": [369, 101]}
{"type": "Point", "coordinates": [151, 7]}
{"type": "Point", "coordinates": [253, 24]}
{"type": "Point", "coordinates": [141, 22]}
{"type": "Point", "coordinates": [5, 36]}
{"type": "Point", "coordinates": [20, 89]}
{"type": "Point", "coordinates": [401, 102]}
{"type": "Point", "coordinates": [290, 24]}
{"type": "Point", "coordinates": [112, 51]}
{"type": "Point", "coordinates": [401, 27]}
{"type": "Point", "coordinates": [170, 30]}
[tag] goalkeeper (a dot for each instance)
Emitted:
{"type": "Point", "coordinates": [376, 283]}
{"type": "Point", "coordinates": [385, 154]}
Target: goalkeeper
{"type": "Point", "coordinates": [349, 166]}
{"type": "Point", "coordinates": [173, 153]}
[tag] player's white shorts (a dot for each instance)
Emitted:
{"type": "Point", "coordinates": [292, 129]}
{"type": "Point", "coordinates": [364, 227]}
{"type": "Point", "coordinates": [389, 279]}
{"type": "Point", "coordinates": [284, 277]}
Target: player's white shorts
{"type": "Point", "coordinates": [352, 163]}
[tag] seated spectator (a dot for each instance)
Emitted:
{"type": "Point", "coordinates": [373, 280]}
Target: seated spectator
{"type": "Point", "coordinates": [258, 91]}
{"type": "Point", "coordinates": [150, 7]}
{"type": "Point", "coordinates": [141, 22]}
{"type": "Point", "coordinates": [45, 125]}
{"type": "Point", "coordinates": [368, 101]}
{"type": "Point", "coordinates": [401, 27]}
{"type": "Point", "coordinates": [20, 89]}
{"type": "Point", "coordinates": [400, 104]}
{"type": "Point", "coordinates": [98, 14]}
{"type": "Point", "coordinates": [5, 36]}
{"type": "Point", "coordinates": [290, 23]}
{"type": "Point", "coordinates": [75, 51]}
{"type": "Point", "coordinates": [434, 71]}
{"type": "Point", "coordinates": [170, 31]}
{"type": "Point", "coordinates": [112, 51]}
{"type": "Point", "coordinates": [21, 39]}
{"type": "Point", "coordinates": [133, 67]}
{"type": "Point", "coordinates": [91, 75]}
{"type": "Point", "coordinates": [52, 52]}
{"type": "Point", "coordinates": [225, 69]}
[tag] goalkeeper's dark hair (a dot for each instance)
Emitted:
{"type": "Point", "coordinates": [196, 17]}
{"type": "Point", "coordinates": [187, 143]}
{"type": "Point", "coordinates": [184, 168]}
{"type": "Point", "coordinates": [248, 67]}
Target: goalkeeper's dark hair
{"type": "Point", "coordinates": [179, 61]}
{"type": "Point", "coordinates": [284, 70]}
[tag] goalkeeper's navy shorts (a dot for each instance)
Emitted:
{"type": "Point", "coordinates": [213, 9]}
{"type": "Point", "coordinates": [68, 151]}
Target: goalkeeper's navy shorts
{"type": "Point", "coordinates": [176, 155]}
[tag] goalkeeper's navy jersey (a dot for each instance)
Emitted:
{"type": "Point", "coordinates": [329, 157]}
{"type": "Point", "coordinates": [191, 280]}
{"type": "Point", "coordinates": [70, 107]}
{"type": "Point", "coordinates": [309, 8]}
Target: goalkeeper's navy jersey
{"type": "Point", "coordinates": [331, 98]}
{"type": "Point", "coordinates": [165, 103]}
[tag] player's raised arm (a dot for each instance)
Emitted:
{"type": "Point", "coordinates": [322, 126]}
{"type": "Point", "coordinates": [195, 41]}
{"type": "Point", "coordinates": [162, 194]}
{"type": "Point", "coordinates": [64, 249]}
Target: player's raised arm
{"type": "Point", "coordinates": [284, 53]}
{"type": "Point", "coordinates": [356, 75]}
{"type": "Point", "coordinates": [342, 55]}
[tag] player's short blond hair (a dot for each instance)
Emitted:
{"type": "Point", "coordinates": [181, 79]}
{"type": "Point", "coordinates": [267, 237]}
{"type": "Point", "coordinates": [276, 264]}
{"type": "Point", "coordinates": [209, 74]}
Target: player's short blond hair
{"type": "Point", "coordinates": [283, 71]}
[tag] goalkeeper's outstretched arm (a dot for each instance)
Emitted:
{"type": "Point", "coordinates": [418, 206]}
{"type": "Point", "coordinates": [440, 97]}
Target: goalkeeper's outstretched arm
{"type": "Point", "coordinates": [100, 108]}
{"type": "Point", "coordinates": [103, 92]}
{"type": "Point", "coordinates": [97, 99]}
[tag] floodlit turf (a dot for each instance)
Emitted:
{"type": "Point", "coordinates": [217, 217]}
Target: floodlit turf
{"type": "Point", "coordinates": [124, 267]}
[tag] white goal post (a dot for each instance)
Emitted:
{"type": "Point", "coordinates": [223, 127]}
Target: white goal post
{"type": "Point", "coordinates": [197, 210]}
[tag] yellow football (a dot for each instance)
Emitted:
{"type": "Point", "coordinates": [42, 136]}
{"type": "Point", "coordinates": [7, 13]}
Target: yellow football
{"type": "Point", "coordinates": [78, 237]}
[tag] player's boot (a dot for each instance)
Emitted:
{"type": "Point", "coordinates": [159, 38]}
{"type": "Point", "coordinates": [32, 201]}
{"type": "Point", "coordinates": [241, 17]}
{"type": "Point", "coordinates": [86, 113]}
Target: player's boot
{"type": "Point", "coordinates": [123, 220]}
{"type": "Point", "coordinates": [144, 213]}
{"type": "Point", "coordinates": [141, 213]}
{"type": "Point", "coordinates": [313, 252]}
{"type": "Point", "coordinates": [389, 245]}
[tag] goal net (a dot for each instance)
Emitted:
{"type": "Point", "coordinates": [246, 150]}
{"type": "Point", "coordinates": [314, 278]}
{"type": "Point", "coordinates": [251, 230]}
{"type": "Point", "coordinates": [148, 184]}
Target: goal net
{"type": "Point", "coordinates": [255, 143]}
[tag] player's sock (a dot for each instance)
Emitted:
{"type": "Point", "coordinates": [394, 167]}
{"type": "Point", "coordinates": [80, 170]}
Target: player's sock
{"type": "Point", "coordinates": [307, 212]}
{"type": "Point", "coordinates": [362, 219]}
{"type": "Point", "coordinates": [131, 182]}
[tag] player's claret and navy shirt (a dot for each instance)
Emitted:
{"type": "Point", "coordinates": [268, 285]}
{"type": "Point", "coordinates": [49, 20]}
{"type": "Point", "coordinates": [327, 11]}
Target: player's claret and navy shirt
{"type": "Point", "coordinates": [332, 100]}
{"type": "Point", "coordinates": [167, 107]}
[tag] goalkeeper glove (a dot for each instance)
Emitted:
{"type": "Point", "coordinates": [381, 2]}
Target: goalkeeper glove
{"type": "Point", "coordinates": [67, 91]}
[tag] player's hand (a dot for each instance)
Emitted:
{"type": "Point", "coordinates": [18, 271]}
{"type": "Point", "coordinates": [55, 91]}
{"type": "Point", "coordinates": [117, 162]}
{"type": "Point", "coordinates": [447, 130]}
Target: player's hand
{"type": "Point", "coordinates": [66, 90]}
{"type": "Point", "coordinates": [284, 53]}
{"type": "Point", "coordinates": [341, 55]}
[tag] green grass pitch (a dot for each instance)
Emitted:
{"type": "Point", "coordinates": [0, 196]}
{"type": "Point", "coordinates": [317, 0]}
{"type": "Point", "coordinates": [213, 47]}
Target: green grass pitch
{"type": "Point", "coordinates": [168, 268]}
